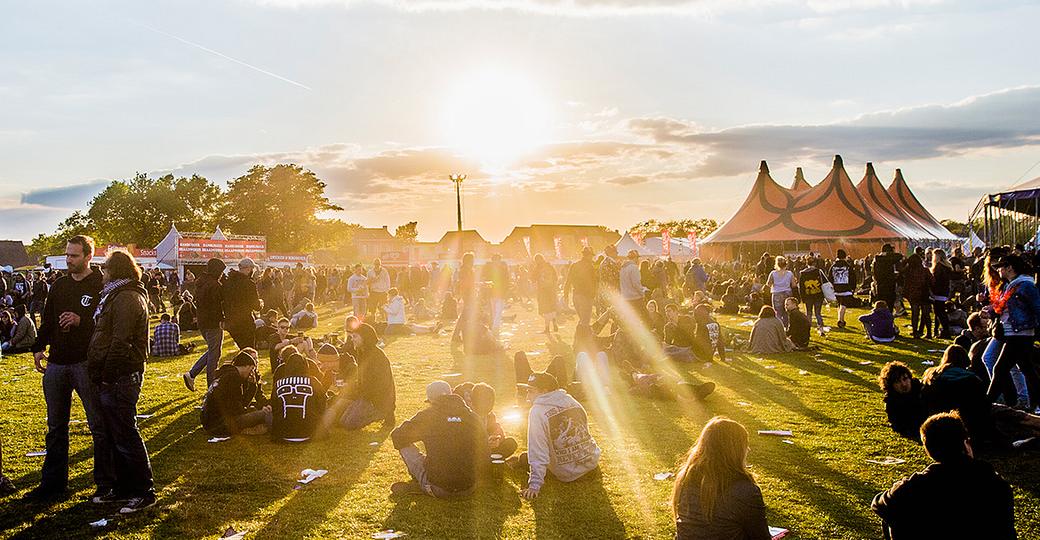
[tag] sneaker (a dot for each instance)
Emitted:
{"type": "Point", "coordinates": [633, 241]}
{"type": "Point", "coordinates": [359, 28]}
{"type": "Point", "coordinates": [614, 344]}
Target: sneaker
{"type": "Point", "coordinates": [138, 503]}
{"type": "Point", "coordinates": [405, 488]}
{"type": "Point", "coordinates": [189, 381]}
{"type": "Point", "coordinates": [106, 496]}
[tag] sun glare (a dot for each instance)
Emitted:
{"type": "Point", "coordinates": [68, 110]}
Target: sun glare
{"type": "Point", "coordinates": [494, 116]}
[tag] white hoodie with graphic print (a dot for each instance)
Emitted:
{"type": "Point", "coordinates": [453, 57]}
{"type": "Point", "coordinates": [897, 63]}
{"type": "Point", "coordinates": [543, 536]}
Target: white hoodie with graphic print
{"type": "Point", "coordinates": [558, 439]}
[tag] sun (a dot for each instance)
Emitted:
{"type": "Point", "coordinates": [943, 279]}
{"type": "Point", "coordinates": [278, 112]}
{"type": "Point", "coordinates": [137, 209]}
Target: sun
{"type": "Point", "coordinates": [494, 116]}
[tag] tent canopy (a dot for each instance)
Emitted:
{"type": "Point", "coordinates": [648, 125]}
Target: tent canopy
{"type": "Point", "coordinates": [627, 243]}
{"type": "Point", "coordinates": [882, 204]}
{"type": "Point", "coordinates": [901, 193]}
{"type": "Point", "coordinates": [799, 185]}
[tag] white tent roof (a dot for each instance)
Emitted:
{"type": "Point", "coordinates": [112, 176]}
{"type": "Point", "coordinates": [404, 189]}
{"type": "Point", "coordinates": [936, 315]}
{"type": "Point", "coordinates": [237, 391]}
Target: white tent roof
{"type": "Point", "coordinates": [627, 243]}
{"type": "Point", "coordinates": [971, 242]}
{"type": "Point", "coordinates": [680, 247]}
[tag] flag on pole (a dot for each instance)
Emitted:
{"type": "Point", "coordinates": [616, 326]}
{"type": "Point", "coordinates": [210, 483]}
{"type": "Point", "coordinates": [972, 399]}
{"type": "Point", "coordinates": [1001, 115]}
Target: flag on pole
{"type": "Point", "coordinates": [558, 243]}
{"type": "Point", "coordinates": [584, 241]}
{"type": "Point", "coordinates": [666, 243]}
{"type": "Point", "coordinates": [693, 243]}
{"type": "Point", "coordinates": [527, 245]}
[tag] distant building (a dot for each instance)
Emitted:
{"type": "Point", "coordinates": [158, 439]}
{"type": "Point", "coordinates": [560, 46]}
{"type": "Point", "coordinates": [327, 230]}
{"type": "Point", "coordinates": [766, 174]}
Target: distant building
{"type": "Point", "coordinates": [377, 242]}
{"type": "Point", "coordinates": [525, 242]}
{"type": "Point", "coordinates": [13, 254]}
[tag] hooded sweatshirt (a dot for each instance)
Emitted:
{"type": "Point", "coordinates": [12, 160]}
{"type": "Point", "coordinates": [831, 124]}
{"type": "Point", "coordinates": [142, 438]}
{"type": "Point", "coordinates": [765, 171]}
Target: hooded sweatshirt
{"type": "Point", "coordinates": [455, 441]}
{"type": "Point", "coordinates": [229, 397]}
{"type": "Point", "coordinates": [631, 282]}
{"type": "Point", "coordinates": [297, 404]}
{"type": "Point", "coordinates": [375, 378]}
{"type": "Point", "coordinates": [558, 439]}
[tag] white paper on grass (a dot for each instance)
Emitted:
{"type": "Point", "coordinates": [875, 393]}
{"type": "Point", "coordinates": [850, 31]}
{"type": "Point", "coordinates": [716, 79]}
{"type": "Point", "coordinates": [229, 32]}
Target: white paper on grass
{"type": "Point", "coordinates": [847, 370]}
{"type": "Point", "coordinates": [144, 416]}
{"type": "Point", "coordinates": [664, 475]}
{"type": "Point", "coordinates": [776, 532]}
{"type": "Point", "coordinates": [743, 404]}
{"type": "Point", "coordinates": [99, 523]}
{"type": "Point", "coordinates": [496, 456]}
{"type": "Point", "coordinates": [887, 460]}
{"type": "Point", "coordinates": [388, 534]}
{"type": "Point", "coordinates": [928, 362]}
{"type": "Point", "coordinates": [787, 441]}
{"type": "Point", "coordinates": [310, 475]}
{"type": "Point", "coordinates": [232, 534]}
{"type": "Point", "coordinates": [450, 375]}
{"type": "Point", "coordinates": [865, 363]}
{"type": "Point", "coordinates": [39, 453]}
{"type": "Point", "coordinates": [776, 432]}
{"type": "Point", "coordinates": [802, 372]}
{"type": "Point", "coordinates": [747, 323]}
{"type": "Point", "coordinates": [534, 353]}
{"type": "Point", "coordinates": [218, 439]}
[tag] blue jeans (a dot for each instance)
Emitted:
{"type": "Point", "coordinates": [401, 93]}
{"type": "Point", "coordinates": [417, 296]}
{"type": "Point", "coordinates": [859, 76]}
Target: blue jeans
{"type": "Point", "coordinates": [214, 341]}
{"type": "Point", "coordinates": [133, 470]}
{"type": "Point", "coordinates": [778, 306]}
{"type": "Point", "coordinates": [59, 381]}
{"type": "Point", "coordinates": [815, 306]}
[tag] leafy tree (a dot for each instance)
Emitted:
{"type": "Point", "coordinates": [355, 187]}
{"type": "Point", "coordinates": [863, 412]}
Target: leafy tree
{"type": "Point", "coordinates": [956, 227]}
{"type": "Point", "coordinates": [677, 228]}
{"type": "Point", "coordinates": [280, 202]}
{"type": "Point", "coordinates": [407, 232]}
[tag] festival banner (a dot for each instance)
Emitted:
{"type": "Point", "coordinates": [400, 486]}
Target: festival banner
{"type": "Point", "coordinates": [584, 241]}
{"type": "Point", "coordinates": [527, 245]}
{"type": "Point", "coordinates": [558, 244]}
{"type": "Point", "coordinates": [666, 243]}
{"type": "Point", "coordinates": [203, 249]}
{"type": "Point", "coordinates": [693, 243]}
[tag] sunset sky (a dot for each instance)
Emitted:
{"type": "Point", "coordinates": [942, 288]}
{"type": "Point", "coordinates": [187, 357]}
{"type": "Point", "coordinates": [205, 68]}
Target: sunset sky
{"type": "Point", "coordinates": [560, 111]}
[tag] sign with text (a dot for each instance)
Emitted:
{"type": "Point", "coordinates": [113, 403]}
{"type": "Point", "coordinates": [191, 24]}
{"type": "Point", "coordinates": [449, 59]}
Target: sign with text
{"type": "Point", "coordinates": [202, 249]}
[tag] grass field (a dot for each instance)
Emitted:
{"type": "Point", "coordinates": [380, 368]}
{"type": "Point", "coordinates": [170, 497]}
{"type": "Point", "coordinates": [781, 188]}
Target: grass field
{"type": "Point", "coordinates": [819, 487]}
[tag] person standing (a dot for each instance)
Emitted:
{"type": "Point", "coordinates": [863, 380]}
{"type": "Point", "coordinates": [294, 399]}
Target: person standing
{"type": "Point", "coordinates": [115, 363]}
{"type": "Point", "coordinates": [378, 286]}
{"type": "Point", "coordinates": [810, 285]}
{"type": "Point", "coordinates": [544, 277]}
{"type": "Point", "coordinates": [1016, 304]}
{"type": "Point", "coordinates": [580, 285]}
{"type": "Point", "coordinates": [66, 326]}
{"type": "Point", "coordinates": [884, 270]}
{"type": "Point", "coordinates": [780, 283]}
{"type": "Point", "coordinates": [942, 276]}
{"type": "Point", "coordinates": [209, 305]}
{"type": "Point", "coordinates": [631, 285]}
{"type": "Point", "coordinates": [497, 273]}
{"type": "Point", "coordinates": [843, 276]}
{"type": "Point", "coordinates": [357, 286]}
{"type": "Point", "coordinates": [917, 290]}
{"type": "Point", "coordinates": [240, 302]}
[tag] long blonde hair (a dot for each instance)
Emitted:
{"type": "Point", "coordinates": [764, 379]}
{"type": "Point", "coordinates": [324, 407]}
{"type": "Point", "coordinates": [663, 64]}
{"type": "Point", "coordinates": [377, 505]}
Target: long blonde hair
{"type": "Point", "coordinates": [717, 459]}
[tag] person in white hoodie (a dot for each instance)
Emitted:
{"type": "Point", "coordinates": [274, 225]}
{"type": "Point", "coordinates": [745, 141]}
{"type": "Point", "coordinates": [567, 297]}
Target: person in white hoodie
{"type": "Point", "coordinates": [558, 438]}
{"type": "Point", "coordinates": [396, 320]}
{"type": "Point", "coordinates": [631, 286]}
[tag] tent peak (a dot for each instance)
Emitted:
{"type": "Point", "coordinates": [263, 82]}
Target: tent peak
{"type": "Point", "coordinates": [899, 175]}
{"type": "Point", "coordinates": [762, 167]}
{"type": "Point", "coordinates": [798, 175]}
{"type": "Point", "coordinates": [870, 169]}
{"type": "Point", "coordinates": [837, 161]}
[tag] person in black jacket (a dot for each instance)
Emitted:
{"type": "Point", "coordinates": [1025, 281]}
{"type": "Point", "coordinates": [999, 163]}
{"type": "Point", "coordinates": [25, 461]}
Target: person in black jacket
{"type": "Point", "coordinates": [952, 386]}
{"type": "Point", "coordinates": [715, 497]}
{"type": "Point", "coordinates": [843, 276]}
{"type": "Point", "coordinates": [581, 282]}
{"type": "Point", "coordinates": [455, 441]}
{"type": "Point", "coordinates": [115, 362]}
{"type": "Point", "coordinates": [371, 392]}
{"type": "Point", "coordinates": [209, 305]}
{"type": "Point", "coordinates": [958, 496]}
{"type": "Point", "coordinates": [235, 402]}
{"type": "Point", "coordinates": [298, 400]}
{"type": "Point", "coordinates": [903, 404]}
{"type": "Point", "coordinates": [66, 326]}
{"type": "Point", "coordinates": [884, 270]}
{"type": "Point", "coordinates": [240, 301]}
{"type": "Point", "coordinates": [799, 325]}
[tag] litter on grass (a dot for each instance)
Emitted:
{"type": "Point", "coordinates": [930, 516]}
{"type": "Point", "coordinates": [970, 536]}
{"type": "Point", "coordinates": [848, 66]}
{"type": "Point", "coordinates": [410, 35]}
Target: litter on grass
{"type": "Point", "coordinates": [865, 363]}
{"type": "Point", "coordinates": [39, 453]}
{"type": "Point", "coordinates": [747, 323]}
{"type": "Point", "coordinates": [847, 370]}
{"type": "Point", "coordinates": [103, 522]}
{"type": "Point", "coordinates": [769, 367]}
{"type": "Point", "coordinates": [388, 534]}
{"type": "Point", "coordinates": [664, 475]}
{"type": "Point", "coordinates": [496, 456]}
{"type": "Point", "coordinates": [776, 432]}
{"type": "Point", "coordinates": [218, 439]}
{"type": "Point", "coordinates": [451, 375]}
{"type": "Point", "coordinates": [777, 533]}
{"type": "Point", "coordinates": [928, 362]}
{"type": "Point", "coordinates": [802, 372]}
{"type": "Point", "coordinates": [232, 534]}
{"type": "Point", "coordinates": [887, 460]}
{"type": "Point", "coordinates": [144, 416]}
{"type": "Point", "coordinates": [787, 441]}
{"type": "Point", "coordinates": [310, 475]}
{"type": "Point", "coordinates": [743, 404]}
{"type": "Point", "coordinates": [534, 353]}
{"type": "Point", "coordinates": [374, 443]}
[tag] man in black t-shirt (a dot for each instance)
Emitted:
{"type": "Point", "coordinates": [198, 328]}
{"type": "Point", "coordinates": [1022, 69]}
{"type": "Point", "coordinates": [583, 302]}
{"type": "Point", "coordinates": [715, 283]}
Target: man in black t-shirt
{"type": "Point", "coordinates": [66, 326]}
{"type": "Point", "coordinates": [843, 276]}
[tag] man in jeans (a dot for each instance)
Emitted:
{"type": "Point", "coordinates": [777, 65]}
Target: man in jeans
{"type": "Point", "coordinates": [209, 304]}
{"type": "Point", "coordinates": [115, 363]}
{"type": "Point", "coordinates": [66, 326]}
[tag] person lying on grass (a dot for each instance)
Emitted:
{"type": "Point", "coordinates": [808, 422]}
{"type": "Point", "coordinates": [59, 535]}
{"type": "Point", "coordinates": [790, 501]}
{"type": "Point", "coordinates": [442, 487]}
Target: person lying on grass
{"type": "Point", "coordinates": [714, 495]}
{"type": "Point", "coordinates": [235, 402]}
{"type": "Point", "coordinates": [455, 443]}
{"type": "Point", "coordinates": [370, 382]}
{"type": "Point", "coordinates": [903, 404]}
{"type": "Point", "coordinates": [768, 335]}
{"type": "Point", "coordinates": [298, 400]}
{"type": "Point", "coordinates": [879, 324]}
{"type": "Point", "coordinates": [558, 438]}
{"type": "Point", "coordinates": [799, 326]}
{"type": "Point", "coordinates": [957, 496]}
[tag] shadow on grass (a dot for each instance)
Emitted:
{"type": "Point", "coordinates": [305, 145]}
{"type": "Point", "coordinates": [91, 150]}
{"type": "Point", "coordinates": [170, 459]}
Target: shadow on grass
{"type": "Point", "coordinates": [482, 515]}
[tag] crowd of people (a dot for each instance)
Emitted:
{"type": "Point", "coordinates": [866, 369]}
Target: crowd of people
{"type": "Point", "coordinates": [93, 339]}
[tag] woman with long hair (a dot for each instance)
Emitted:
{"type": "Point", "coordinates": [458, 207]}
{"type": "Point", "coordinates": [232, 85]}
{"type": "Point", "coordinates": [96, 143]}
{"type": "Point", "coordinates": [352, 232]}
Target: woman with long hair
{"type": "Point", "coordinates": [942, 273]}
{"type": "Point", "coordinates": [715, 496]}
{"type": "Point", "coordinates": [1016, 306]}
{"type": "Point", "coordinates": [780, 283]}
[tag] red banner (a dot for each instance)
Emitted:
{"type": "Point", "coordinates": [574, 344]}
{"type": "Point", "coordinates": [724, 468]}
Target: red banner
{"type": "Point", "coordinates": [666, 243]}
{"type": "Point", "coordinates": [202, 249]}
{"type": "Point", "coordinates": [288, 258]}
{"type": "Point", "coordinates": [558, 243]}
{"type": "Point", "coordinates": [693, 243]}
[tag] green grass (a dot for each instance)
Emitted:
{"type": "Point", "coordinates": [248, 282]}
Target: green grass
{"type": "Point", "coordinates": [819, 487]}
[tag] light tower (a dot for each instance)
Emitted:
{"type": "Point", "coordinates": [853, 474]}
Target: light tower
{"type": "Point", "coordinates": [457, 179]}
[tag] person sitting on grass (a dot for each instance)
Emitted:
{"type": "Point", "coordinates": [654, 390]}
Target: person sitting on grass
{"type": "Point", "coordinates": [396, 323]}
{"type": "Point", "coordinates": [186, 312]}
{"type": "Point", "coordinates": [730, 302]}
{"type": "Point", "coordinates": [975, 331]}
{"type": "Point", "coordinates": [714, 495]}
{"type": "Point", "coordinates": [306, 318]}
{"type": "Point", "coordinates": [558, 438]}
{"type": "Point", "coordinates": [298, 400]}
{"type": "Point", "coordinates": [235, 402]}
{"type": "Point", "coordinates": [166, 339]}
{"type": "Point", "coordinates": [24, 334]}
{"type": "Point", "coordinates": [482, 401]}
{"type": "Point", "coordinates": [879, 323]}
{"type": "Point", "coordinates": [455, 442]}
{"type": "Point", "coordinates": [768, 335]}
{"type": "Point", "coordinates": [798, 326]}
{"type": "Point", "coordinates": [957, 496]}
{"type": "Point", "coordinates": [903, 403]}
{"type": "Point", "coordinates": [951, 386]}
{"type": "Point", "coordinates": [371, 392]}
{"type": "Point", "coordinates": [708, 338]}
{"type": "Point", "coordinates": [678, 331]}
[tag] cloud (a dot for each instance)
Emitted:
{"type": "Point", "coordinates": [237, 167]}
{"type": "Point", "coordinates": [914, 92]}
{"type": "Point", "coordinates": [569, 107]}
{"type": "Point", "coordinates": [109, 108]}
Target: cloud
{"type": "Point", "coordinates": [629, 180]}
{"type": "Point", "coordinates": [1005, 119]}
{"type": "Point", "coordinates": [64, 197]}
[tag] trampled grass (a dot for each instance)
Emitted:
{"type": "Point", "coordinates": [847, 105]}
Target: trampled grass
{"type": "Point", "coordinates": [819, 487]}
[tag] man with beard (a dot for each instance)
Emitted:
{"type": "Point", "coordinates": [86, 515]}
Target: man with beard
{"type": "Point", "coordinates": [66, 326]}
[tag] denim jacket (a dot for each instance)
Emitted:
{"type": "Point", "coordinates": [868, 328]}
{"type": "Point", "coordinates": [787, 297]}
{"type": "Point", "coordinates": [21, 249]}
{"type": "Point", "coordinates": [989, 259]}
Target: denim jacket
{"type": "Point", "coordinates": [1023, 308]}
